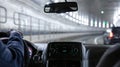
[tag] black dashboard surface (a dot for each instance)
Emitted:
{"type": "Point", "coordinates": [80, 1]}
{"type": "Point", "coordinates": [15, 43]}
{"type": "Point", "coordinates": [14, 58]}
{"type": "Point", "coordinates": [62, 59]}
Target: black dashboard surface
{"type": "Point", "coordinates": [64, 50]}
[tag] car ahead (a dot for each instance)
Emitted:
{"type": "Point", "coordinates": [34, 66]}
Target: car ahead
{"type": "Point", "coordinates": [112, 36]}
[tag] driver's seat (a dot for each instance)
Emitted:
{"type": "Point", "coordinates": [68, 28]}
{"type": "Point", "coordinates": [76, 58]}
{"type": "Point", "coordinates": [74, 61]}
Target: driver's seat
{"type": "Point", "coordinates": [111, 58]}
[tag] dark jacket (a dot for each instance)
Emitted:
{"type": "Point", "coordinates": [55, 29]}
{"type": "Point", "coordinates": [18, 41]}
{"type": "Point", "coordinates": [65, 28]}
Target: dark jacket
{"type": "Point", "coordinates": [12, 54]}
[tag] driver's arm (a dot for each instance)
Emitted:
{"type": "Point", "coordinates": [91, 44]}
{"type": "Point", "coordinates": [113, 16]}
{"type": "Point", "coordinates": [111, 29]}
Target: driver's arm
{"type": "Point", "coordinates": [14, 50]}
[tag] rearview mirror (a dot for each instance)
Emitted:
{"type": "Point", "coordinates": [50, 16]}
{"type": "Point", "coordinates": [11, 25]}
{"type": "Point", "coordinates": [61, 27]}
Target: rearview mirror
{"type": "Point", "coordinates": [60, 7]}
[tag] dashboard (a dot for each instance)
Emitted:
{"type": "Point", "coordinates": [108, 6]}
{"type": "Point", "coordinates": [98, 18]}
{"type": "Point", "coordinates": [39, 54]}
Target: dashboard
{"type": "Point", "coordinates": [63, 54]}
{"type": "Point", "coordinates": [69, 54]}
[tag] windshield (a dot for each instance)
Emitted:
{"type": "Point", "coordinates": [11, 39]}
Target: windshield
{"type": "Point", "coordinates": [88, 25]}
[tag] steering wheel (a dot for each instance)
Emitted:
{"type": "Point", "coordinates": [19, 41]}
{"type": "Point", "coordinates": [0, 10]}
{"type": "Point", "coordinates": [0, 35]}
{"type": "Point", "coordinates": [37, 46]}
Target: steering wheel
{"type": "Point", "coordinates": [26, 50]}
{"type": "Point", "coordinates": [111, 58]}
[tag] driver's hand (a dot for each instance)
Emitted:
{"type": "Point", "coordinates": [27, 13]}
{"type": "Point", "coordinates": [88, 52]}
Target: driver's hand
{"type": "Point", "coordinates": [15, 32]}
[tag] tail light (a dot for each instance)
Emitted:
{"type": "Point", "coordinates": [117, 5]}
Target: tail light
{"type": "Point", "coordinates": [111, 35]}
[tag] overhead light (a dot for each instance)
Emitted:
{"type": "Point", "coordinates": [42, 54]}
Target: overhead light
{"type": "Point", "coordinates": [56, 1]}
{"type": "Point", "coordinates": [102, 12]}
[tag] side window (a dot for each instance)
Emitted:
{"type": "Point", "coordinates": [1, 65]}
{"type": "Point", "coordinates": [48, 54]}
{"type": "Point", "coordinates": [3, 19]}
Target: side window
{"type": "Point", "coordinates": [3, 15]}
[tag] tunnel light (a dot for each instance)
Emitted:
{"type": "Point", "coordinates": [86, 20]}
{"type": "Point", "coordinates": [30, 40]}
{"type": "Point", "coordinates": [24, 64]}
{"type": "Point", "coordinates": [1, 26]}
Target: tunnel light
{"type": "Point", "coordinates": [48, 3]}
{"type": "Point", "coordinates": [74, 20]}
{"type": "Point", "coordinates": [99, 24]}
{"type": "Point", "coordinates": [111, 25]}
{"type": "Point", "coordinates": [86, 21]}
{"type": "Point", "coordinates": [105, 22]}
{"type": "Point", "coordinates": [74, 15]}
{"type": "Point", "coordinates": [62, 14]}
{"type": "Point", "coordinates": [70, 13]}
{"type": "Point", "coordinates": [56, 1]}
{"type": "Point", "coordinates": [91, 22]}
{"type": "Point", "coordinates": [102, 12]}
{"type": "Point", "coordinates": [103, 25]}
{"type": "Point", "coordinates": [96, 23]}
{"type": "Point", "coordinates": [77, 17]}
{"type": "Point", "coordinates": [66, 16]}
{"type": "Point", "coordinates": [77, 21]}
{"type": "Point", "coordinates": [107, 25]}
{"type": "Point", "coordinates": [70, 18]}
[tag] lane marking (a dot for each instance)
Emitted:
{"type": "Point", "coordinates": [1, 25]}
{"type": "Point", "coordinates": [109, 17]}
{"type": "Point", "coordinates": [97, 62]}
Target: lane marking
{"type": "Point", "coordinates": [96, 39]}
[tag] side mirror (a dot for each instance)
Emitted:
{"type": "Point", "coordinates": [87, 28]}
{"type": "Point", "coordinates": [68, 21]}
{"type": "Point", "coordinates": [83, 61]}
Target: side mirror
{"type": "Point", "coordinates": [60, 7]}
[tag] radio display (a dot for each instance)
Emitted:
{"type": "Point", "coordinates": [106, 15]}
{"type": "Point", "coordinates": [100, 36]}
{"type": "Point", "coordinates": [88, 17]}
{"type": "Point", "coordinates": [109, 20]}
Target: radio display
{"type": "Point", "coordinates": [64, 50]}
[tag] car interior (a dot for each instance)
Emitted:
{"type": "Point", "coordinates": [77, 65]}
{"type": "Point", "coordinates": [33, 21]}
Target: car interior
{"type": "Point", "coordinates": [67, 53]}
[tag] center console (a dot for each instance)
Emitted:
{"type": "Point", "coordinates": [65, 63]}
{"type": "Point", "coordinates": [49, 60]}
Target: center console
{"type": "Point", "coordinates": [65, 54]}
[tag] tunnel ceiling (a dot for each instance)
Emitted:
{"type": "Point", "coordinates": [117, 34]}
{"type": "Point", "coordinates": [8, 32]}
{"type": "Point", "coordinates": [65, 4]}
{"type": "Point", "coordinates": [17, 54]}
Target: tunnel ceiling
{"type": "Point", "coordinates": [92, 8]}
